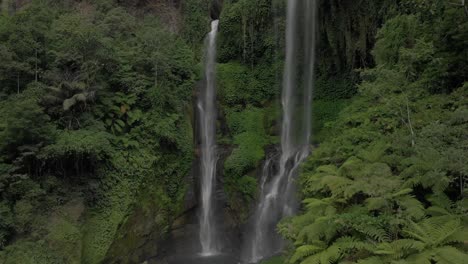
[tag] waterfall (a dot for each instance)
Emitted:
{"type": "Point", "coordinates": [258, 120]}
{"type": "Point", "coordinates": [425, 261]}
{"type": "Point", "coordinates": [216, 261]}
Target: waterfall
{"type": "Point", "coordinates": [277, 198]}
{"type": "Point", "coordinates": [207, 112]}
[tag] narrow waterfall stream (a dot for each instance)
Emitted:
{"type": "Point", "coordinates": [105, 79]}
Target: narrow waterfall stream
{"type": "Point", "coordinates": [207, 112]}
{"type": "Point", "coordinates": [277, 198]}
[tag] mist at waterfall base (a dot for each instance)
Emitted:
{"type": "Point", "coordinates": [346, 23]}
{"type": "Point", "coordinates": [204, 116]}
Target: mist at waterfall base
{"type": "Point", "coordinates": [207, 118]}
{"type": "Point", "coordinates": [277, 195]}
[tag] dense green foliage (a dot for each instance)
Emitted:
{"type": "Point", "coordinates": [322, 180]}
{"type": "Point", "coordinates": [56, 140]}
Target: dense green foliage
{"type": "Point", "coordinates": [247, 89]}
{"type": "Point", "coordinates": [250, 139]}
{"type": "Point", "coordinates": [250, 51]}
{"type": "Point", "coordinates": [96, 127]}
{"type": "Point", "coordinates": [274, 260]}
{"type": "Point", "coordinates": [246, 31]}
{"type": "Point", "coordinates": [246, 100]}
{"type": "Point", "coordinates": [387, 184]}
{"type": "Point", "coordinates": [93, 114]}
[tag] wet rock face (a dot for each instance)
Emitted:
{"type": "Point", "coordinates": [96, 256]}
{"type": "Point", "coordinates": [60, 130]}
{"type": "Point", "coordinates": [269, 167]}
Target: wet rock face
{"type": "Point", "coordinates": [191, 198]}
{"type": "Point", "coordinates": [140, 236]}
{"type": "Point", "coordinates": [215, 9]}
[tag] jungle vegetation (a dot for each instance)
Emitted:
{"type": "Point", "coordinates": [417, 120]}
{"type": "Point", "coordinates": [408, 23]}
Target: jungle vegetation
{"type": "Point", "coordinates": [97, 126]}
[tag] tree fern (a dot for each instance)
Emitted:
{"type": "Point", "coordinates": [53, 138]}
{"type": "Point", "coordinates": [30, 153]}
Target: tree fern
{"type": "Point", "coordinates": [434, 231]}
{"type": "Point", "coordinates": [316, 204]}
{"type": "Point", "coordinates": [374, 152]}
{"type": "Point", "coordinates": [437, 211]}
{"type": "Point", "coordinates": [304, 251]}
{"type": "Point", "coordinates": [458, 237]}
{"type": "Point", "coordinates": [449, 255]}
{"type": "Point", "coordinates": [327, 256]}
{"type": "Point", "coordinates": [375, 203]}
{"type": "Point", "coordinates": [393, 168]}
{"type": "Point", "coordinates": [351, 167]}
{"type": "Point", "coordinates": [370, 260]}
{"type": "Point", "coordinates": [443, 255]}
{"type": "Point", "coordinates": [423, 257]}
{"type": "Point", "coordinates": [322, 228]}
{"type": "Point", "coordinates": [412, 206]}
{"type": "Point", "coordinates": [338, 185]}
{"type": "Point", "coordinates": [376, 233]}
{"type": "Point", "coordinates": [399, 248]}
{"type": "Point", "coordinates": [351, 243]}
{"type": "Point", "coordinates": [314, 259]}
{"type": "Point", "coordinates": [441, 205]}
{"type": "Point", "coordinates": [402, 192]}
{"type": "Point", "coordinates": [329, 169]}
{"type": "Point", "coordinates": [331, 254]}
{"type": "Point", "coordinates": [434, 236]}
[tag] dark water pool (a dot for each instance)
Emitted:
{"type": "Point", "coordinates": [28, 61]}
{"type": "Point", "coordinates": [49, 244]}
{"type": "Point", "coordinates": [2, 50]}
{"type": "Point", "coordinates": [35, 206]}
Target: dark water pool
{"type": "Point", "coordinates": [220, 259]}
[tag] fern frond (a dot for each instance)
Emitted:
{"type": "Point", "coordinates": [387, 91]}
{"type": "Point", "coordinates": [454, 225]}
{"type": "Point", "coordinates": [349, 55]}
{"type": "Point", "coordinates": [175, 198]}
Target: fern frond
{"type": "Point", "coordinates": [336, 184]}
{"type": "Point", "coordinates": [441, 200]}
{"type": "Point", "coordinates": [408, 244]}
{"type": "Point", "coordinates": [331, 255]}
{"type": "Point", "coordinates": [313, 181]}
{"type": "Point", "coordinates": [375, 203]}
{"type": "Point", "coordinates": [461, 236]}
{"type": "Point", "coordinates": [437, 211]}
{"type": "Point", "coordinates": [412, 206]}
{"type": "Point", "coordinates": [322, 228]}
{"type": "Point", "coordinates": [313, 204]}
{"type": "Point", "coordinates": [435, 231]}
{"type": "Point", "coordinates": [304, 251]}
{"type": "Point", "coordinates": [402, 192]}
{"type": "Point", "coordinates": [314, 259]}
{"type": "Point", "coordinates": [329, 169]}
{"type": "Point", "coordinates": [351, 167]}
{"type": "Point", "coordinates": [445, 233]}
{"type": "Point", "coordinates": [416, 231]}
{"type": "Point", "coordinates": [353, 189]}
{"type": "Point", "coordinates": [399, 261]}
{"type": "Point", "coordinates": [424, 257]}
{"type": "Point", "coordinates": [376, 233]}
{"type": "Point", "coordinates": [371, 260]}
{"type": "Point", "coordinates": [374, 152]}
{"type": "Point", "coordinates": [399, 248]}
{"type": "Point", "coordinates": [450, 255]}
{"type": "Point", "coordinates": [350, 243]}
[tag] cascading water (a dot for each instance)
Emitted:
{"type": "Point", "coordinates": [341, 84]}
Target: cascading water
{"type": "Point", "coordinates": [207, 113]}
{"type": "Point", "coordinates": [277, 198]}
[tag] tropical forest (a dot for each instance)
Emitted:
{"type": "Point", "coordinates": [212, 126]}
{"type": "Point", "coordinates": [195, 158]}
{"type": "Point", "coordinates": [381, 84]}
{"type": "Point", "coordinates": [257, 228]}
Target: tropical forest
{"type": "Point", "coordinates": [233, 131]}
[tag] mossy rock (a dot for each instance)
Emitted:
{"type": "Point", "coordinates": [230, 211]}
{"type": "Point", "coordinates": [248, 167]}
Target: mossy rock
{"type": "Point", "coordinates": [140, 235]}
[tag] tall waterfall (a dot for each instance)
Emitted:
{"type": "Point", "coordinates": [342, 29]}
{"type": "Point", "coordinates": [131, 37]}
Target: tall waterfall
{"type": "Point", "coordinates": [277, 198]}
{"type": "Point", "coordinates": [207, 112]}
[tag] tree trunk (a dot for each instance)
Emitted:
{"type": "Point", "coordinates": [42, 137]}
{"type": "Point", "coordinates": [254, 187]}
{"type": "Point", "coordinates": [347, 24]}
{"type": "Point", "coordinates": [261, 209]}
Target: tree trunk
{"type": "Point", "coordinates": [18, 82]}
{"type": "Point", "coordinates": [156, 75]}
{"type": "Point", "coordinates": [35, 74]}
{"type": "Point", "coordinates": [410, 123]}
{"type": "Point", "coordinates": [465, 7]}
{"type": "Point", "coordinates": [244, 36]}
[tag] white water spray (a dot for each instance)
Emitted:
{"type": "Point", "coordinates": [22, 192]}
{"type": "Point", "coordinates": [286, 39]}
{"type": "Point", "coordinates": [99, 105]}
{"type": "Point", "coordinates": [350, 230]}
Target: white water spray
{"type": "Point", "coordinates": [277, 198]}
{"type": "Point", "coordinates": [207, 113]}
